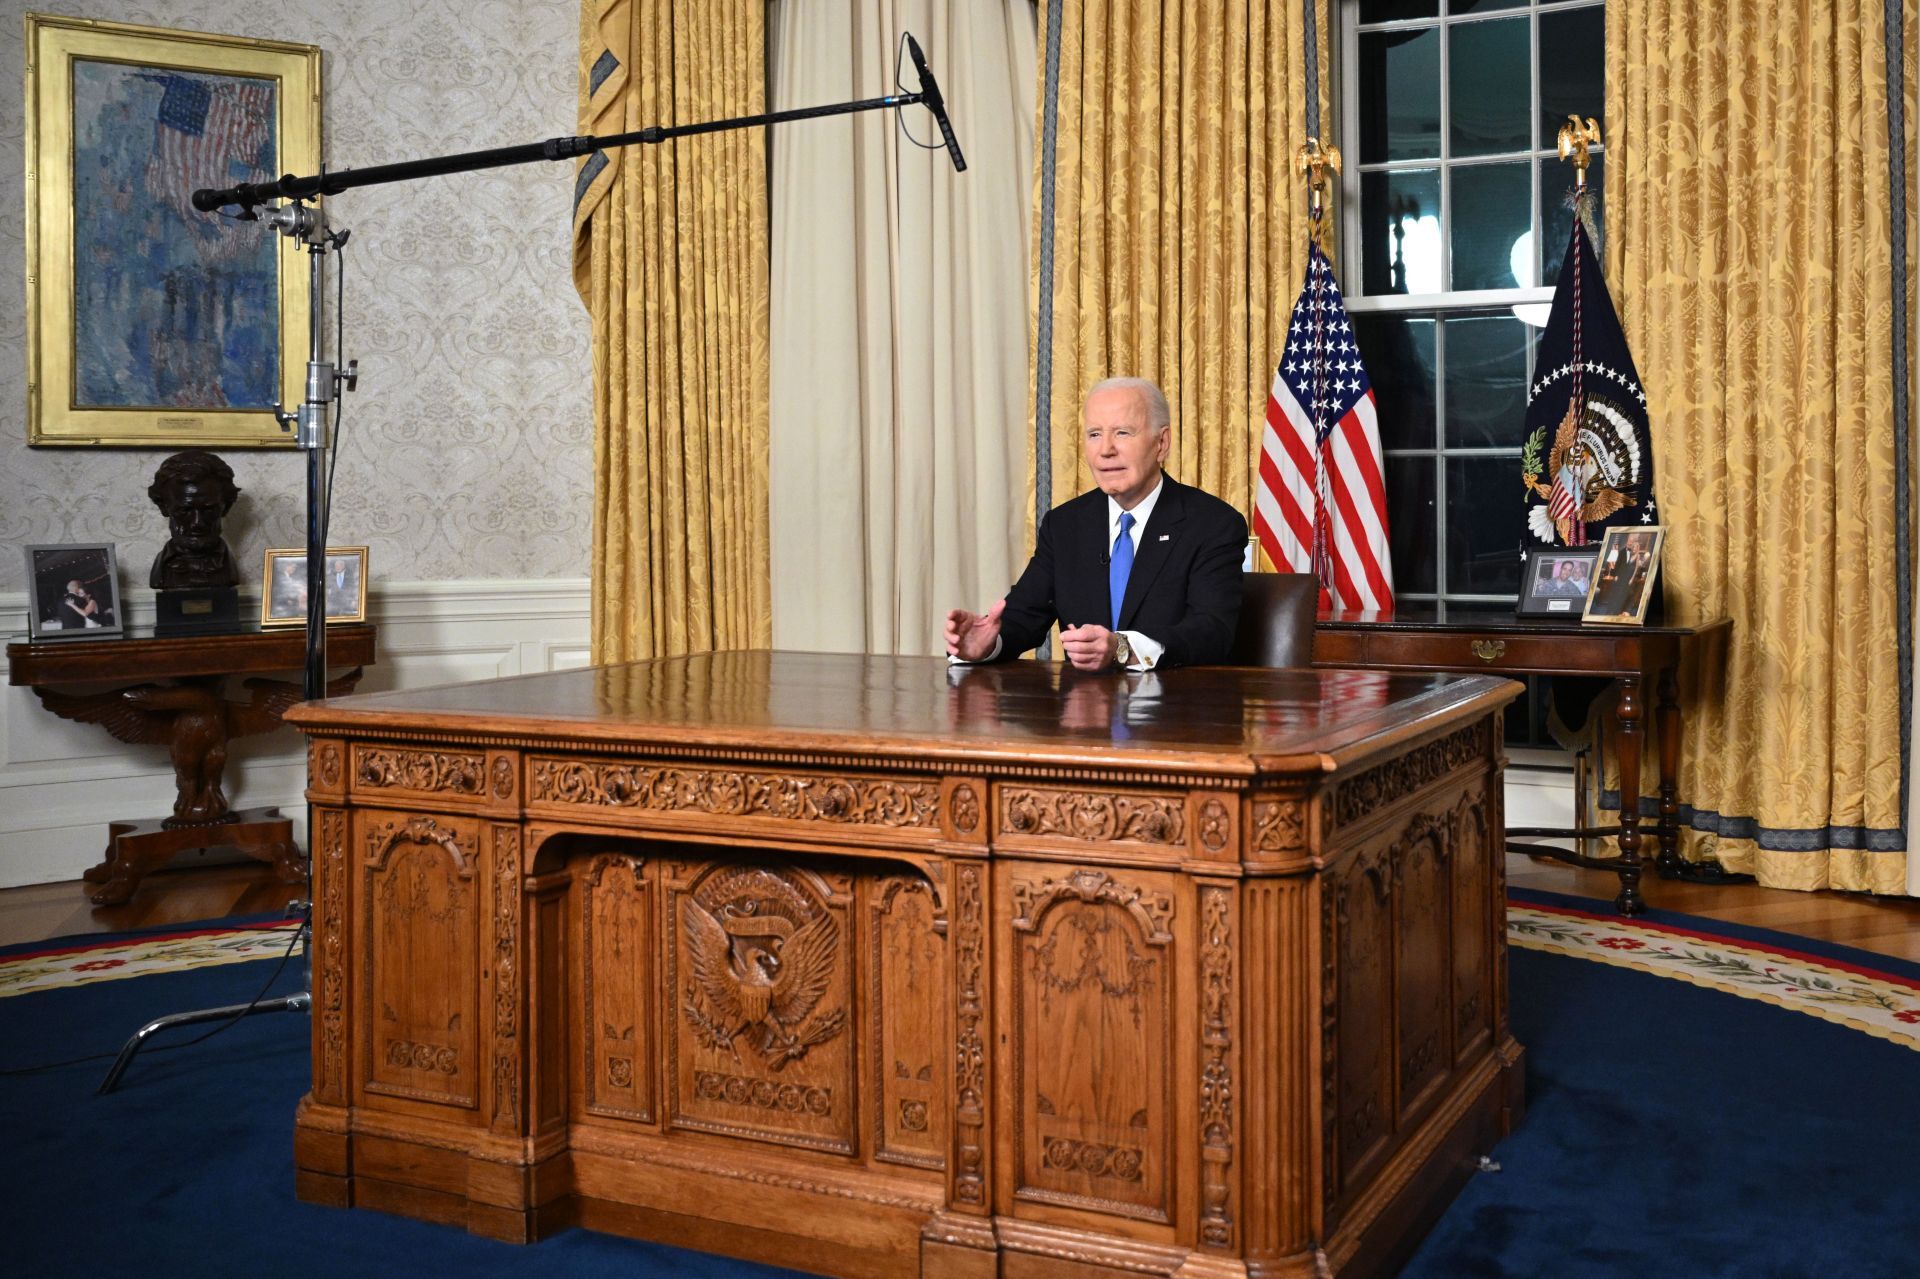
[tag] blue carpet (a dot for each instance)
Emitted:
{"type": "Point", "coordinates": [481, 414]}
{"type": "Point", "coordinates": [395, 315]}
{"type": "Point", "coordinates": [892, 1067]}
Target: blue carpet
{"type": "Point", "coordinates": [1671, 1131]}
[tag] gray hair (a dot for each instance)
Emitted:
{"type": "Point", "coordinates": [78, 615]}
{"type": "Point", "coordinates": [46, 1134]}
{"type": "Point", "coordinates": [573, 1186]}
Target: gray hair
{"type": "Point", "coordinates": [1159, 416]}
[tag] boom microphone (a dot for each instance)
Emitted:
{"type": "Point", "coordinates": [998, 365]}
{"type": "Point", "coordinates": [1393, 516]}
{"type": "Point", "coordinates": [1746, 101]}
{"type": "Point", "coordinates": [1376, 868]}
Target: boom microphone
{"type": "Point", "coordinates": [246, 195]}
{"type": "Point", "coordinates": [930, 91]}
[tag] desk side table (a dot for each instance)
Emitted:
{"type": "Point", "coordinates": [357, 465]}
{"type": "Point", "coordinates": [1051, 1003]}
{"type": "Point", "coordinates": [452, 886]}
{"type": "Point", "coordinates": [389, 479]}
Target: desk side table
{"type": "Point", "coordinates": [1429, 637]}
{"type": "Point", "coordinates": [190, 714]}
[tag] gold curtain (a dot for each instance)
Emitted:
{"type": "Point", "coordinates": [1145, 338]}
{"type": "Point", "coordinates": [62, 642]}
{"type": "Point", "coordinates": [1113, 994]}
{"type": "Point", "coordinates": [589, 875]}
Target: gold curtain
{"type": "Point", "coordinates": [1178, 230]}
{"type": "Point", "coordinates": [670, 256]}
{"type": "Point", "coordinates": [1750, 246]}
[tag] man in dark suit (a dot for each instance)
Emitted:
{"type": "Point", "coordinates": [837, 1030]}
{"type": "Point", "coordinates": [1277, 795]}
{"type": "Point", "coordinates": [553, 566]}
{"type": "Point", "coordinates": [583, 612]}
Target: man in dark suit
{"type": "Point", "coordinates": [1142, 572]}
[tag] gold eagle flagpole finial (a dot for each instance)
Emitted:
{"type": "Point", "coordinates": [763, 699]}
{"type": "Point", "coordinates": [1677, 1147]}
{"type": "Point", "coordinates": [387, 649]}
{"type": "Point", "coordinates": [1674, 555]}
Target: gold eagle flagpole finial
{"type": "Point", "coordinates": [1575, 138]}
{"type": "Point", "coordinates": [1312, 161]}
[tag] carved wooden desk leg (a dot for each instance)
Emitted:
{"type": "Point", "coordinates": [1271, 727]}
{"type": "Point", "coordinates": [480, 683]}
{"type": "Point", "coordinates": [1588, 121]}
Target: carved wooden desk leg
{"type": "Point", "coordinates": [1629, 902]}
{"type": "Point", "coordinates": [1667, 721]}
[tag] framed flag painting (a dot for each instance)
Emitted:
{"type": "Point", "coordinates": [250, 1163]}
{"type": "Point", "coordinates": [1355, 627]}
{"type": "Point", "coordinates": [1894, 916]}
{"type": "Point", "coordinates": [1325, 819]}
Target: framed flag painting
{"type": "Point", "coordinates": [150, 322]}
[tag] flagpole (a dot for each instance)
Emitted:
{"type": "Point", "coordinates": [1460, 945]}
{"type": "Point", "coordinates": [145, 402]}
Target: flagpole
{"type": "Point", "coordinates": [1575, 138]}
{"type": "Point", "coordinates": [1313, 161]}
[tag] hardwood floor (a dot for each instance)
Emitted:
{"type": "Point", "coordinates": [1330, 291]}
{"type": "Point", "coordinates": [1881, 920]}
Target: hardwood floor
{"type": "Point", "coordinates": [1883, 925]}
{"type": "Point", "coordinates": [40, 911]}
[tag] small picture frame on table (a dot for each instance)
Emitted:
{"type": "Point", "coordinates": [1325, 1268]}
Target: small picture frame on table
{"type": "Point", "coordinates": [283, 585]}
{"type": "Point", "coordinates": [74, 592]}
{"type": "Point", "coordinates": [1556, 580]}
{"type": "Point", "coordinates": [1626, 575]}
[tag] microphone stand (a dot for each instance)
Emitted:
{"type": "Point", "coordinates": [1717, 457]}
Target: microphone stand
{"type": "Point", "coordinates": [309, 423]}
{"type": "Point", "coordinates": [308, 225]}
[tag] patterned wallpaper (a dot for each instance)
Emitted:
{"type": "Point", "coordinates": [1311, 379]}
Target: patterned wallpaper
{"type": "Point", "coordinates": [467, 452]}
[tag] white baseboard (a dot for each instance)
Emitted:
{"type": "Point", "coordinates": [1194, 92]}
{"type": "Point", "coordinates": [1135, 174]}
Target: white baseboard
{"type": "Point", "coordinates": [1540, 797]}
{"type": "Point", "coordinates": [61, 782]}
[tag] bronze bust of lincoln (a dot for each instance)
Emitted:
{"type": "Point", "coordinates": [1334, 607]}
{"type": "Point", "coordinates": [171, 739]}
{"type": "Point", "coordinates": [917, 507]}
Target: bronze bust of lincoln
{"type": "Point", "coordinates": [194, 490]}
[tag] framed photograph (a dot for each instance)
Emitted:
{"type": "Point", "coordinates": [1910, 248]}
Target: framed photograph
{"type": "Point", "coordinates": [149, 322]}
{"type": "Point", "coordinates": [283, 586]}
{"type": "Point", "coordinates": [1555, 580]}
{"type": "Point", "coordinates": [1624, 577]}
{"type": "Point", "coordinates": [73, 592]}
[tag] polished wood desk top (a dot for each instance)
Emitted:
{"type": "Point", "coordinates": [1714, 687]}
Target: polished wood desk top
{"type": "Point", "coordinates": [1443, 617]}
{"type": "Point", "coordinates": [139, 654]}
{"type": "Point", "coordinates": [1223, 720]}
{"type": "Point", "coordinates": [1430, 637]}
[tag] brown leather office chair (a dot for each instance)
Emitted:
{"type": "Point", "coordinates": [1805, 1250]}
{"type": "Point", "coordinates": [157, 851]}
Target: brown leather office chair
{"type": "Point", "coordinates": [1276, 620]}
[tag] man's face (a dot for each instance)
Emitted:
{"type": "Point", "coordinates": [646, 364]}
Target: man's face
{"type": "Point", "coordinates": [1124, 452]}
{"type": "Point", "coordinates": [193, 517]}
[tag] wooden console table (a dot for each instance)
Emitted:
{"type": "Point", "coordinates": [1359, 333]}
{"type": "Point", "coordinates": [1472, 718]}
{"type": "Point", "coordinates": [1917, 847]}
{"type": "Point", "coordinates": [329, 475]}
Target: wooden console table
{"type": "Point", "coordinates": [1427, 637]}
{"type": "Point", "coordinates": [869, 966]}
{"type": "Point", "coordinates": [192, 717]}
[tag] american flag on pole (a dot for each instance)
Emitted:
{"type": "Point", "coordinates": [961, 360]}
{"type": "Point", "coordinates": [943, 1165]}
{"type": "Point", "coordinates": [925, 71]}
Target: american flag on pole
{"type": "Point", "coordinates": [1321, 506]}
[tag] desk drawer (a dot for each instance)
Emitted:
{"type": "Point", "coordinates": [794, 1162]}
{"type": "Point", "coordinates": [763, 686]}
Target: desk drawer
{"type": "Point", "coordinates": [1462, 651]}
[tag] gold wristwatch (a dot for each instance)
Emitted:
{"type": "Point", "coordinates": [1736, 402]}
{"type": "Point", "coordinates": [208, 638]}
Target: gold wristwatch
{"type": "Point", "coordinates": [1122, 651]}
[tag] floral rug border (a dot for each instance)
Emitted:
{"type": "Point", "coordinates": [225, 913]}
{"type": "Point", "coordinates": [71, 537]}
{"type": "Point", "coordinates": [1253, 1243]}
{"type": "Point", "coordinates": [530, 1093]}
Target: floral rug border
{"type": "Point", "coordinates": [1880, 1004]}
{"type": "Point", "coordinates": [83, 964]}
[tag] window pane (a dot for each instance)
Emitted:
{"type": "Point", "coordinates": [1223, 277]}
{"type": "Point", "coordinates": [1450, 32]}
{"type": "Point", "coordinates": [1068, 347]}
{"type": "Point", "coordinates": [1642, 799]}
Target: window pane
{"type": "Point", "coordinates": [1410, 524]}
{"type": "Point", "coordinates": [1483, 526]}
{"type": "Point", "coordinates": [1490, 87]}
{"type": "Point", "coordinates": [1492, 226]}
{"type": "Point", "coordinates": [1399, 95]}
{"type": "Point", "coordinates": [1572, 44]}
{"type": "Point", "coordinates": [1394, 10]}
{"type": "Point", "coordinates": [1486, 382]}
{"type": "Point", "coordinates": [1484, 6]}
{"type": "Point", "coordinates": [1398, 353]}
{"type": "Point", "coordinates": [1556, 210]}
{"type": "Point", "coordinates": [1400, 231]}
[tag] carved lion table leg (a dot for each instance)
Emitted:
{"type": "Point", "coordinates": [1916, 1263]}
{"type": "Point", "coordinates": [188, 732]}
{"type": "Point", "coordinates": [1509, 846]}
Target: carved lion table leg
{"type": "Point", "coordinates": [137, 849]}
{"type": "Point", "coordinates": [119, 877]}
{"type": "Point", "coordinates": [288, 864]}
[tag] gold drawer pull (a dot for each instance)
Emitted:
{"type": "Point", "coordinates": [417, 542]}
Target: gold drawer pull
{"type": "Point", "coordinates": [1489, 650]}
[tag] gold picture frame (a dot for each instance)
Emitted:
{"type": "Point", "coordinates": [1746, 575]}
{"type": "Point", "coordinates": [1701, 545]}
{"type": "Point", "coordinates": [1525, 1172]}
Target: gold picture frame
{"type": "Point", "coordinates": [150, 323]}
{"type": "Point", "coordinates": [283, 585]}
{"type": "Point", "coordinates": [1626, 574]}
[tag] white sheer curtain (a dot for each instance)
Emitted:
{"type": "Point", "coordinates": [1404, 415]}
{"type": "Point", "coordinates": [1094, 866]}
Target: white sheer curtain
{"type": "Point", "coordinates": [899, 322]}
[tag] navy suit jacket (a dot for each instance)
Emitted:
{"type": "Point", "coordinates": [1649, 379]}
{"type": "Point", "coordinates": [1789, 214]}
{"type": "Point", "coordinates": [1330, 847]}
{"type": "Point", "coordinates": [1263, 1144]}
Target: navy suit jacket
{"type": "Point", "coordinates": [1184, 589]}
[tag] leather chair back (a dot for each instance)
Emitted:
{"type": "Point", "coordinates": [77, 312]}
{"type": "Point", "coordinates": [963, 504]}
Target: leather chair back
{"type": "Point", "coordinates": [1276, 620]}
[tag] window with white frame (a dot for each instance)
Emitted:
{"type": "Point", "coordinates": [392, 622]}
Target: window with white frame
{"type": "Point", "coordinates": [1455, 220]}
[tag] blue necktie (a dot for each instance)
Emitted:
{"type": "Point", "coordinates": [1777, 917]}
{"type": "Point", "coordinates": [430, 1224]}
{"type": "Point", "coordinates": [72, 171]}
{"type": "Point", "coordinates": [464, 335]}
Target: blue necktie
{"type": "Point", "coordinates": [1120, 566]}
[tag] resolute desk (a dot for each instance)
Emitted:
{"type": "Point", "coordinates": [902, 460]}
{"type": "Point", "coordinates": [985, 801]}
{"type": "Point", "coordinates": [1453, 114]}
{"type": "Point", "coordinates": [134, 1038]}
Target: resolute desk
{"type": "Point", "coordinates": [868, 966]}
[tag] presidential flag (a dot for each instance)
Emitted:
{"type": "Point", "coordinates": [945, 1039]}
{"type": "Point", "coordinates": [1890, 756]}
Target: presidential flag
{"type": "Point", "coordinates": [1587, 463]}
{"type": "Point", "coordinates": [1321, 506]}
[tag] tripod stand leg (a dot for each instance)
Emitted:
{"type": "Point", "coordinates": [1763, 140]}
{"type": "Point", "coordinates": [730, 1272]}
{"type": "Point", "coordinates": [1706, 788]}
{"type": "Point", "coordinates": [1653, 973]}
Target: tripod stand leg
{"type": "Point", "coordinates": [284, 1004]}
